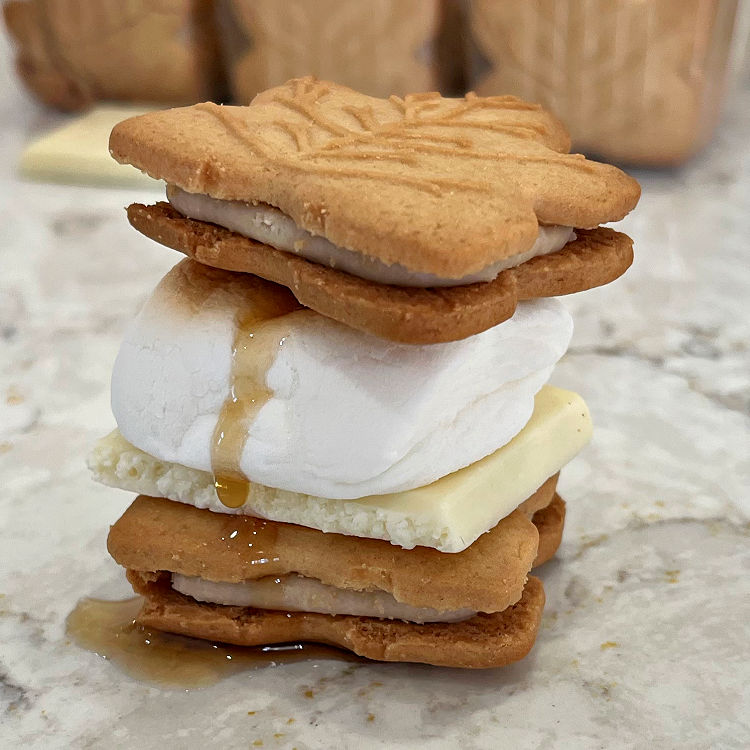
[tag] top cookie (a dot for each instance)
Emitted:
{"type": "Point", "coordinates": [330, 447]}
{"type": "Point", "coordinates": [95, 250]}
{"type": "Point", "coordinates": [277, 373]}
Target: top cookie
{"type": "Point", "coordinates": [441, 186]}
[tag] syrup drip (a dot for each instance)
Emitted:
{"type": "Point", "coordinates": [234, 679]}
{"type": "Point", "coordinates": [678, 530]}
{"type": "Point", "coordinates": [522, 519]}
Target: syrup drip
{"type": "Point", "coordinates": [261, 330]}
{"type": "Point", "coordinates": [108, 628]}
{"type": "Point", "coordinates": [254, 539]}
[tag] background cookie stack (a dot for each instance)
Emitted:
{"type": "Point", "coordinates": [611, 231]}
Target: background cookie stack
{"type": "Point", "coordinates": [376, 469]}
{"type": "Point", "coordinates": [640, 81]}
{"type": "Point", "coordinates": [74, 52]}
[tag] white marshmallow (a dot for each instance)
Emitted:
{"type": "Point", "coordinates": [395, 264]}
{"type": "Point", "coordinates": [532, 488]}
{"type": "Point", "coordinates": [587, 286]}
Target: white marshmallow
{"type": "Point", "coordinates": [351, 415]}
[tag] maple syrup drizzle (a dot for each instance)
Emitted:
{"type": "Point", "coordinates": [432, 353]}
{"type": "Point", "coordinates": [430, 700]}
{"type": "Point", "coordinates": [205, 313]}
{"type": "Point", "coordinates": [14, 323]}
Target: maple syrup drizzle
{"type": "Point", "coordinates": [109, 629]}
{"type": "Point", "coordinates": [261, 329]}
{"type": "Point", "coordinates": [254, 539]}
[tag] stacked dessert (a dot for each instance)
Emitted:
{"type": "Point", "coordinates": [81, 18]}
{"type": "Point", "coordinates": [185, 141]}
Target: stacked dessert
{"type": "Point", "coordinates": [335, 409]}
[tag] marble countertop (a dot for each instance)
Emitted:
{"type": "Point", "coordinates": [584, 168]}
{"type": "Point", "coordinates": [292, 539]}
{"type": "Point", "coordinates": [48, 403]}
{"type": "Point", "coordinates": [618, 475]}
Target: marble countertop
{"type": "Point", "coordinates": [645, 640]}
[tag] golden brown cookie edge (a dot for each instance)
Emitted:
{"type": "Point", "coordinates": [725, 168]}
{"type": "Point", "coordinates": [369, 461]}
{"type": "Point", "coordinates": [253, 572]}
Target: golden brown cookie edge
{"type": "Point", "coordinates": [406, 315]}
{"type": "Point", "coordinates": [550, 523]}
{"type": "Point", "coordinates": [484, 641]}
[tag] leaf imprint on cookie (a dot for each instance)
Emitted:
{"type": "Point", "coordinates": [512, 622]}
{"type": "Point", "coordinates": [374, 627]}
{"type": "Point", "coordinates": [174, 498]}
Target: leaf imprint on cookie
{"type": "Point", "coordinates": [412, 136]}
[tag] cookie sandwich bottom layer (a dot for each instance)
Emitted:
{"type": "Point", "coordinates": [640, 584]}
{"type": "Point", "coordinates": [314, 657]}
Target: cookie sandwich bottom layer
{"type": "Point", "coordinates": [483, 641]}
{"type": "Point", "coordinates": [164, 538]}
{"type": "Point", "coordinates": [296, 593]}
{"type": "Point", "coordinates": [155, 535]}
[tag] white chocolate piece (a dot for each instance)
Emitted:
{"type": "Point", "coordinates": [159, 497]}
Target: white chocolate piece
{"type": "Point", "coordinates": [448, 514]}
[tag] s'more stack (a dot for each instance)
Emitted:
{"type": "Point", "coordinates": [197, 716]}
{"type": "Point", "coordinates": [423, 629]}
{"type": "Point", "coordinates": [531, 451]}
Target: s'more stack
{"type": "Point", "coordinates": [334, 409]}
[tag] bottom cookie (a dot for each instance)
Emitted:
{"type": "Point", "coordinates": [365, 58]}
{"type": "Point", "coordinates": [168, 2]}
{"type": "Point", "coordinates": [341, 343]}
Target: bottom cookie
{"type": "Point", "coordinates": [170, 548]}
{"type": "Point", "coordinates": [549, 522]}
{"type": "Point", "coordinates": [483, 641]}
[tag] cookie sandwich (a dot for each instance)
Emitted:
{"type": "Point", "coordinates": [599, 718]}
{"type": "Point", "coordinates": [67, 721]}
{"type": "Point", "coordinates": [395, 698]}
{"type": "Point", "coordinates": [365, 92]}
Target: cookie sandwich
{"type": "Point", "coordinates": [303, 475]}
{"type": "Point", "coordinates": [419, 219]}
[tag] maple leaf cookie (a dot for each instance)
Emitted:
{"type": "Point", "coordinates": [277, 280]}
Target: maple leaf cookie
{"type": "Point", "coordinates": [419, 219]}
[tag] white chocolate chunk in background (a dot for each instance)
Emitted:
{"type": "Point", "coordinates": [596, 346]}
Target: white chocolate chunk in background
{"type": "Point", "coordinates": [77, 153]}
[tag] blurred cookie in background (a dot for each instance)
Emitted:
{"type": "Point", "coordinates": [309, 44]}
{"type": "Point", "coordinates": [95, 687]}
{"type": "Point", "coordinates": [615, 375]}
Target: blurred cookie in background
{"type": "Point", "coordinates": [637, 81]}
{"type": "Point", "coordinates": [71, 53]}
{"type": "Point", "coordinates": [390, 48]}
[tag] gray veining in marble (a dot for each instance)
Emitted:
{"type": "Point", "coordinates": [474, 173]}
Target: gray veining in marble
{"type": "Point", "coordinates": [645, 640]}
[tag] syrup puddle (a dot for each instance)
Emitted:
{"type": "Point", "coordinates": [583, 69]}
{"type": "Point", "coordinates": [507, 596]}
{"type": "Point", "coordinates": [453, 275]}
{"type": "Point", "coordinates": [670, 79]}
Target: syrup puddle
{"type": "Point", "coordinates": [108, 628]}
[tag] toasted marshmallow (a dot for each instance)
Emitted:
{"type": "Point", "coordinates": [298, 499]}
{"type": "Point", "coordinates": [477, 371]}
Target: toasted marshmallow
{"type": "Point", "coordinates": [349, 415]}
{"type": "Point", "coordinates": [300, 594]}
{"type": "Point", "coordinates": [271, 226]}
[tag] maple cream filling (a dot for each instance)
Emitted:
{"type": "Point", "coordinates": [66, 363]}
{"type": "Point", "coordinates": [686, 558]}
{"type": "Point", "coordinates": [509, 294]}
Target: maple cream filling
{"type": "Point", "coordinates": [294, 593]}
{"type": "Point", "coordinates": [271, 226]}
